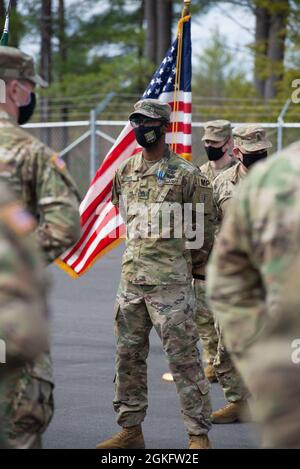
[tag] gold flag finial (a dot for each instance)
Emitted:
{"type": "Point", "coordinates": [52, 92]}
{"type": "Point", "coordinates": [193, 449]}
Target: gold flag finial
{"type": "Point", "coordinates": [186, 8]}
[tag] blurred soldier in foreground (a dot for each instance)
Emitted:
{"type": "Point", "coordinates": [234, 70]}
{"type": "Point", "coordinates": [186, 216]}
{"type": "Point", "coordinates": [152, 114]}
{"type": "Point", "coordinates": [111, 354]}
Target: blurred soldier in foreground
{"type": "Point", "coordinates": [156, 283]}
{"type": "Point", "coordinates": [218, 144]}
{"type": "Point", "coordinates": [23, 313]}
{"type": "Point", "coordinates": [253, 283]}
{"type": "Point", "coordinates": [250, 146]}
{"type": "Point", "coordinates": [41, 181]}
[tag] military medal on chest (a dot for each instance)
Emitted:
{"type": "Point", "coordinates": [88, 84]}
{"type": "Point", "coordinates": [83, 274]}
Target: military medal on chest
{"type": "Point", "coordinates": [160, 177]}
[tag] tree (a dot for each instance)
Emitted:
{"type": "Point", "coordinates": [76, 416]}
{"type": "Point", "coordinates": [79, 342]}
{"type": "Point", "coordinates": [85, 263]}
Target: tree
{"type": "Point", "coordinates": [46, 59]}
{"type": "Point", "coordinates": [46, 40]}
{"type": "Point", "coordinates": [270, 44]}
{"type": "Point", "coordinates": [151, 30]}
{"type": "Point", "coordinates": [219, 73]}
{"type": "Point", "coordinates": [2, 13]}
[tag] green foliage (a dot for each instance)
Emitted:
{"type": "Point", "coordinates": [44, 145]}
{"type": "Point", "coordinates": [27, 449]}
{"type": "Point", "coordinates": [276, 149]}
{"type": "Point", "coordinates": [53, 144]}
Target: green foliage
{"type": "Point", "coordinates": [219, 74]}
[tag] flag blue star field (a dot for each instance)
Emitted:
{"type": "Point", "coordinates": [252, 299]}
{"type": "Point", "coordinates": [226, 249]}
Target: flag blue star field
{"type": "Point", "coordinates": [163, 87]}
{"type": "Point", "coordinates": [102, 226]}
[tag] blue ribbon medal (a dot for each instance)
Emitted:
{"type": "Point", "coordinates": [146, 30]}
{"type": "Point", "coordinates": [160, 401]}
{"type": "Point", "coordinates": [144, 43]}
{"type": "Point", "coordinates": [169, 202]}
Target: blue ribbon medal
{"type": "Point", "coordinates": [160, 175]}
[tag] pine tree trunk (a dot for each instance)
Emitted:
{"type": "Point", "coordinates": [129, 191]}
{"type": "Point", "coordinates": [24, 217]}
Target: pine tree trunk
{"type": "Point", "coordinates": [46, 59]}
{"type": "Point", "coordinates": [261, 48]}
{"type": "Point", "coordinates": [151, 30]}
{"type": "Point", "coordinates": [276, 50]}
{"type": "Point", "coordinates": [164, 28]}
{"type": "Point", "coordinates": [2, 15]}
{"type": "Point", "coordinates": [63, 58]}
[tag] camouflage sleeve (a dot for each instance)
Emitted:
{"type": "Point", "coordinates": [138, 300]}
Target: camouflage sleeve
{"type": "Point", "coordinates": [23, 312]}
{"type": "Point", "coordinates": [222, 195]}
{"type": "Point", "coordinates": [58, 206]}
{"type": "Point", "coordinates": [197, 190]}
{"type": "Point", "coordinates": [234, 287]}
{"type": "Point", "coordinates": [116, 189]}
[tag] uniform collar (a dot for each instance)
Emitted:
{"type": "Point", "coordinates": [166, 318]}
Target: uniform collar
{"type": "Point", "coordinates": [139, 163]}
{"type": "Point", "coordinates": [236, 173]}
{"type": "Point", "coordinates": [4, 116]}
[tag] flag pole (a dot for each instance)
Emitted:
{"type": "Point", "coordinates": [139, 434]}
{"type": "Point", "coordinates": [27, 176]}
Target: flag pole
{"type": "Point", "coordinates": [185, 15]}
{"type": "Point", "coordinates": [186, 8]}
{"type": "Point", "coordinates": [5, 35]}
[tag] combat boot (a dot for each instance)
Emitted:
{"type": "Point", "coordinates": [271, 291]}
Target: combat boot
{"type": "Point", "coordinates": [128, 438]}
{"type": "Point", "coordinates": [199, 442]}
{"type": "Point", "coordinates": [232, 412]}
{"type": "Point", "coordinates": [210, 374]}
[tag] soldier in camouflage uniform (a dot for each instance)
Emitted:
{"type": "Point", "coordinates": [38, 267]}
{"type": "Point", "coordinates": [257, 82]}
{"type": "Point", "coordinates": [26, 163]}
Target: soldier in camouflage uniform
{"type": "Point", "coordinates": [250, 146]}
{"type": "Point", "coordinates": [253, 287]}
{"type": "Point", "coordinates": [156, 283]}
{"type": "Point", "coordinates": [218, 145]}
{"type": "Point", "coordinates": [23, 312]}
{"type": "Point", "coordinates": [40, 179]}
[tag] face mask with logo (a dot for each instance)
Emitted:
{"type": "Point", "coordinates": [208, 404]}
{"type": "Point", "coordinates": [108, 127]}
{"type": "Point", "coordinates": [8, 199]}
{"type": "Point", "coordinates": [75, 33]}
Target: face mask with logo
{"type": "Point", "coordinates": [26, 110]}
{"type": "Point", "coordinates": [250, 159]}
{"type": "Point", "coordinates": [147, 136]}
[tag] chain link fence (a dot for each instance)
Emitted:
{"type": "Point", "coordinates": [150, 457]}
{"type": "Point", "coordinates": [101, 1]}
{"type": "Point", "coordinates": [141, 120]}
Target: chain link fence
{"type": "Point", "coordinates": [73, 140]}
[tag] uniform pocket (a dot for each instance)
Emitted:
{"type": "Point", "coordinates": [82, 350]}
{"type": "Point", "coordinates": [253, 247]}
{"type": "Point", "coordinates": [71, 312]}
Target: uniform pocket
{"type": "Point", "coordinates": [33, 406]}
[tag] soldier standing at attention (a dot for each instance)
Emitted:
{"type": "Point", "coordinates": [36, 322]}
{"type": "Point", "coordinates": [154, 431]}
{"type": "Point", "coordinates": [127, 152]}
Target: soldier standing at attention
{"type": "Point", "coordinates": [218, 143]}
{"type": "Point", "coordinates": [41, 181]}
{"type": "Point", "coordinates": [250, 146]}
{"type": "Point", "coordinates": [156, 282]}
{"type": "Point", "coordinates": [253, 288]}
{"type": "Point", "coordinates": [23, 310]}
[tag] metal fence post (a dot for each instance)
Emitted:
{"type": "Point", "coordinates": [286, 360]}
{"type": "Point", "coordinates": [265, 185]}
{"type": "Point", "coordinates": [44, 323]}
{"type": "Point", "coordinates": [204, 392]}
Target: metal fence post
{"type": "Point", "coordinates": [280, 123]}
{"type": "Point", "coordinates": [93, 150]}
{"type": "Point", "coordinates": [93, 119]}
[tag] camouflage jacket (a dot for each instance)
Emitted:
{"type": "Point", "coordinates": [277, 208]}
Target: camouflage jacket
{"type": "Point", "coordinates": [40, 179]}
{"type": "Point", "coordinates": [211, 173]}
{"type": "Point", "coordinates": [224, 187]}
{"type": "Point", "coordinates": [23, 312]}
{"type": "Point", "coordinates": [255, 249]}
{"type": "Point", "coordinates": [163, 258]}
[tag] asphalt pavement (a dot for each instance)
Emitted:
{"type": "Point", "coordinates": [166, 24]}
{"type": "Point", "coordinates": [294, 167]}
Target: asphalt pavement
{"type": "Point", "coordinates": [83, 355]}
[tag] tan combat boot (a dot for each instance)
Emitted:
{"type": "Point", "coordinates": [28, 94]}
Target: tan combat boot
{"type": "Point", "coordinates": [232, 412]}
{"type": "Point", "coordinates": [210, 374]}
{"type": "Point", "coordinates": [128, 438]}
{"type": "Point", "coordinates": [199, 442]}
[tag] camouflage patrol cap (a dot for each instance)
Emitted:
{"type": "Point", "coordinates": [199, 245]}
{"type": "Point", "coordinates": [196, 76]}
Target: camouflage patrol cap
{"type": "Point", "coordinates": [217, 131]}
{"type": "Point", "coordinates": [17, 65]}
{"type": "Point", "coordinates": [152, 108]}
{"type": "Point", "coordinates": [250, 138]}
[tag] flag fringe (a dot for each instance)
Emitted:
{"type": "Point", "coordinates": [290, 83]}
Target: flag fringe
{"type": "Point", "coordinates": [62, 265]}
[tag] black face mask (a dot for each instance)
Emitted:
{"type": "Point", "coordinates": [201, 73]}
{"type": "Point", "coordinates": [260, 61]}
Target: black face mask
{"type": "Point", "coordinates": [26, 112]}
{"type": "Point", "coordinates": [147, 136]}
{"type": "Point", "coordinates": [214, 154]}
{"type": "Point", "coordinates": [251, 158]}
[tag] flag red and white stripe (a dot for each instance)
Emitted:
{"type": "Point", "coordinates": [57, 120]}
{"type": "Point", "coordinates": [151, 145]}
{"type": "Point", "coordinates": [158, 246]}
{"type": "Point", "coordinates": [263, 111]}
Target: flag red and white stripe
{"type": "Point", "coordinates": [102, 226]}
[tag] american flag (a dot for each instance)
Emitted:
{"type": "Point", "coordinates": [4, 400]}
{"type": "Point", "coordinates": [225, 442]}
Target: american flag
{"type": "Point", "coordinates": [102, 226]}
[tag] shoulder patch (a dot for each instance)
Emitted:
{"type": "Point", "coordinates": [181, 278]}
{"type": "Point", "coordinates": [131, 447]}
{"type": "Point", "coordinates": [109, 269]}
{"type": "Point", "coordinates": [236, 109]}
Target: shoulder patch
{"type": "Point", "coordinates": [58, 162]}
{"type": "Point", "coordinates": [17, 219]}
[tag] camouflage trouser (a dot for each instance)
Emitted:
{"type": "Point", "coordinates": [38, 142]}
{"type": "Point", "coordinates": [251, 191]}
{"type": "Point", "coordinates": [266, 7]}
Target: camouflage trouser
{"type": "Point", "coordinates": [30, 396]}
{"type": "Point", "coordinates": [205, 323]}
{"type": "Point", "coordinates": [170, 309]}
{"type": "Point", "coordinates": [229, 378]}
{"type": "Point", "coordinates": [277, 405]}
